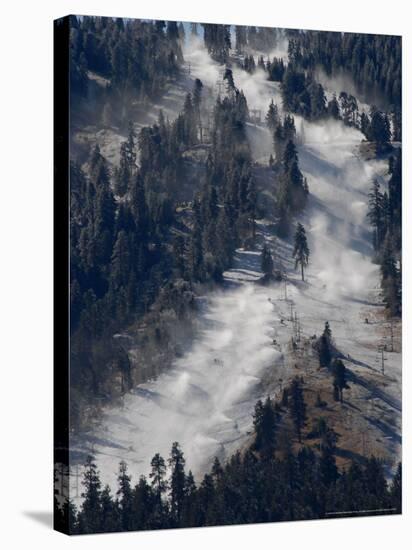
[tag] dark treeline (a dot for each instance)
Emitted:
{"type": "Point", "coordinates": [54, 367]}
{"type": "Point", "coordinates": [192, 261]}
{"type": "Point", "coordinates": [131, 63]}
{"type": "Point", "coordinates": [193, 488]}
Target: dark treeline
{"type": "Point", "coordinates": [301, 94]}
{"type": "Point", "coordinates": [291, 186]}
{"type": "Point", "coordinates": [217, 41]}
{"type": "Point", "coordinates": [141, 246]}
{"type": "Point", "coordinates": [373, 61]}
{"type": "Point", "coordinates": [256, 38]}
{"type": "Point", "coordinates": [133, 255]}
{"type": "Point", "coordinates": [385, 216]}
{"type": "Point", "coordinates": [135, 58]}
{"type": "Point", "coordinates": [262, 485]}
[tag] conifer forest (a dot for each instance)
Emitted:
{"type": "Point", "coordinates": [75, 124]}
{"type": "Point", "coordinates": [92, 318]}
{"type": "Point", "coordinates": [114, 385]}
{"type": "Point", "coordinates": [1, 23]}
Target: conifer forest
{"type": "Point", "coordinates": [235, 276]}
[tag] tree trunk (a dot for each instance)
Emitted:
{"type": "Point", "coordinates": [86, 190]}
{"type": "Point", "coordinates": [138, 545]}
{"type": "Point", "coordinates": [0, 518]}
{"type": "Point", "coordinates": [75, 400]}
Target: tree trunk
{"type": "Point", "coordinates": [303, 276]}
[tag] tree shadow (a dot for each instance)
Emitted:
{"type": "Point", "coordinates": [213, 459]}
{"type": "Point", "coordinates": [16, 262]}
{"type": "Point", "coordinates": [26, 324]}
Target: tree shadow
{"type": "Point", "coordinates": [375, 391]}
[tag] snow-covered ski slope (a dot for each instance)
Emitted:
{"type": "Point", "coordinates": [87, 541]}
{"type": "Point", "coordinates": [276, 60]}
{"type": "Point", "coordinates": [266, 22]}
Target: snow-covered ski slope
{"type": "Point", "coordinates": [206, 401]}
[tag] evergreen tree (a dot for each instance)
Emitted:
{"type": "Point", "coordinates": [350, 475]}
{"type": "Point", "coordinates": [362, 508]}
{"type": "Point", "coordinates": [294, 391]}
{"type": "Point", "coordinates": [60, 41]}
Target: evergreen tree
{"type": "Point", "coordinates": [123, 173]}
{"type": "Point", "coordinates": [264, 421]}
{"type": "Point", "coordinates": [125, 496]}
{"type": "Point", "coordinates": [70, 519]}
{"type": "Point", "coordinates": [327, 332]}
{"type": "Point", "coordinates": [109, 521]}
{"type": "Point", "coordinates": [376, 215]}
{"type": "Point", "coordinates": [391, 280]}
{"type": "Point", "coordinates": [217, 41]}
{"type": "Point", "coordinates": [194, 30]}
{"type": "Point", "coordinates": [143, 507]}
{"type": "Point", "coordinates": [379, 127]}
{"type": "Point", "coordinates": [333, 108]}
{"type": "Point", "coordinates": [121, 261]}
{"type": "Point", "coordinates": [241, 38]}
{"type": "Point", "coordinates": [275, 69]}
{"type": "Point", "coordinates": [254, 486]}
{"type": "Point", "coordinates": [339, 378]}
{"type": "Point", "coordinates": [177, 483]}
{"type": "Point", "coordinates": [230, 83]}
{"type": "Point", "coordinates": [157, 475]}
{"type": "Point", "coordinates": [324, 346]}
{"type": "Point", "coordinates": [301, 249]}
{"type": "Point", "coordinates": [92, 506]}
{"type": "Point", "coordinates": [324, 352]}
{"type": "Point", "coordinates": [396, 490]}
{"type": "Point", "coordinates": [327, 466]}
{"type": "Point", "coordinates": [317, 100]}
{"type": "Point", "coordinates": [190, 117]}
{"type": "Point", "coordinates": [297, 407]}
{"type": "Point", "coordinates": [189, 511]}
{"type": "Point", "coordinates": [266, 261]}
{"type": "Point", "coordinates": [197, 104]}
{"type": "Point", "coordinates": [272, 116]}
{"type": "Point", "coordinates": [349, 108]}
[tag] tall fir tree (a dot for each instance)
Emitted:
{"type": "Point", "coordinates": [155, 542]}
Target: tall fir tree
{"type": "Point", "coordinates": [301, 249]}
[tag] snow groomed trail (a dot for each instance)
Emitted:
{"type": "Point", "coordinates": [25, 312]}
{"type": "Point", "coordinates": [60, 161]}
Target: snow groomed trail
{"type": "Point", "coordinates": [206, 401]}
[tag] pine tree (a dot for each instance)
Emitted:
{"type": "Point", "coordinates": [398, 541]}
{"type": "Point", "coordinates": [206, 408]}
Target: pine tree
{"type": "Point", "coordinates": [157, 475]}
{"type": "Point", "coordinates": [110, 513]}
{"type": "Point", "coordinates": [217, 470]}
{"type": "Point", "coordinates": [125, 496]}
{"type": "Point", "coordinates": [217, 41]}
{"type": "Point", "coordinates": [182, 33]}
{"type": "Point", "coordinates": [190, 118]}
{"type": "Point", "coordinates": [70, 519]}
{"type": "Point", "coordinates": [339, 378]}
{"type": "Point", "coordinates": [230, 83]}
{"type": "Point", "coordinates": [177, 483]}
{"type": "Point", "coordinates": [266, 261]}
{"type": "Point", "coordinates": [123, 173]}
{"type": "Point", "coordinates": [241, 38]}
{"type": "Point", "coordinates": [376, 215]}
{"type": "Point", "coordinates": [272, 116]}
{"type": "Point", "coordinates": [195, 253]}
{"type": "Point", "coordinates": [91, 507]}
{"type": "Point", "coordinates": [144, 506]}
{"type": "Point", "coordinates": [324, 346]}
{"type": "Point", "coordinates": [193, 29]}
{"type": "Point", "coordinates": [396, 489]}
{"type": "Point", "coordinates": [327, 332]}
{"type": "Point", "coordinates": [349, 107]}
{"type": "Point", "coordinates": [391, 280]}
{"type": "Point", "coordinates": [197, 104]}
{"type": "Point", "coordinates": [327, 466]}
{"type": "Point", "coordinates": [189, 510]}
{"type": "Point", "coordinates": [365, 126]}
{"type": "Point", "coordinates": [324, 352]}
{"type": "Point", "coordinates": [264, 422]}
{"type": "Point", "coordinates": [301, 249]}
{"type": "Point", "coordinates": [379, 127]}
{"type": "Point", "coordinates": [297, 407]}
{"type": "Point", "coordinates": [317, 100]}
{"type": "Point", "coordinates": [121, 261]}
{"type": "Point", "coordinates": [290, 156]}
{"type": "Point", "coordinates": [333, 108]}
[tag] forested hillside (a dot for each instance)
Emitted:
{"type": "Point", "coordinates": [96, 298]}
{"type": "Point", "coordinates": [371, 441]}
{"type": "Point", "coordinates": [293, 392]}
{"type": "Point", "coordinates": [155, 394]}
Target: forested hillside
{"type": "Point", "coordinates": [231, 204]}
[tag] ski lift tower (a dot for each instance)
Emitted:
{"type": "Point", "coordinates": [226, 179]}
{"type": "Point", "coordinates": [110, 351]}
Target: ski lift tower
{"type": "Point", "coordinates": [381, 358]}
